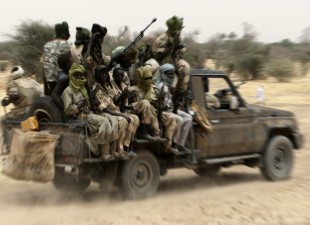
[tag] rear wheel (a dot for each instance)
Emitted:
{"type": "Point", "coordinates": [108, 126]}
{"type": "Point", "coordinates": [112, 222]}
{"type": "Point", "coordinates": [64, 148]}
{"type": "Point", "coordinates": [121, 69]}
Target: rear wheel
{"type": "Point", "coordinates": [70, 183]}
{"type": "Point", "coordinates": [278, 159]}
{"type": "Point", "coordinates": [46, 110]}
{"type": "Point", "coordinates": [140, 175]}
{"type": "Point", "coordinates": [207, 171]}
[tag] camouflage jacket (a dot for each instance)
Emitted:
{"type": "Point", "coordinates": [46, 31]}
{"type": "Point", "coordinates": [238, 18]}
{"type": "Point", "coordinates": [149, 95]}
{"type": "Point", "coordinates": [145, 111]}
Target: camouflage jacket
{"type": "Point", "coordinates": [51, 51]}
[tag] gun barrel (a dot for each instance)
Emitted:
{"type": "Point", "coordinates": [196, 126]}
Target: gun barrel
{"type": "Point", "coordinates": [138, 38]}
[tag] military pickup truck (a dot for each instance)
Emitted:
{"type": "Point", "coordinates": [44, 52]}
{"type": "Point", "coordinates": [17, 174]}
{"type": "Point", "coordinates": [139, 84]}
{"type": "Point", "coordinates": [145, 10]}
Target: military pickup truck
{"type": "Point", "coordinates": [251, 135]}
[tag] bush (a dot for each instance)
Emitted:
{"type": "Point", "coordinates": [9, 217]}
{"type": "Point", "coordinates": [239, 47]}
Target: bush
{"type": "Point", "coordinates": [281, 69]}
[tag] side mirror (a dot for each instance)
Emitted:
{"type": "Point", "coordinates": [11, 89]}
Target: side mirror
{"type": "Point", "coordinates": [233, 102]}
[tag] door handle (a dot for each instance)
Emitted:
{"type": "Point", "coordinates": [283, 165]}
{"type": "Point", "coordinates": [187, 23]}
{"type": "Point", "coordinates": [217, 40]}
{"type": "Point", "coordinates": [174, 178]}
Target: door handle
{"type": "Point", "coordinates": [215, 121]}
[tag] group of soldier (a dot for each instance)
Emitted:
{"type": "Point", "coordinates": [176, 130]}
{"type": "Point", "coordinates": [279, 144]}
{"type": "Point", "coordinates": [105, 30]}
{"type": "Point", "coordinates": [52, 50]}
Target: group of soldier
{"type": "Point", "coordinates": [137, 88]}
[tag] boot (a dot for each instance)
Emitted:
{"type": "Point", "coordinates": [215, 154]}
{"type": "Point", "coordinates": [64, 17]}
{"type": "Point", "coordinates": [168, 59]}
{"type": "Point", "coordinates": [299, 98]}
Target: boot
{"type": "Point", "coordinates": [145, 135]}
{"type": "Point", "coordinates": [130, 152]}
{"type": "Point", "coordinates": [123, 155]}
{"type": "Point", "coordinates": [184, 150]}
{"type": "Point", "coordinates": [112, 146]}
{"type": "Point", "coordinates": [174, 151]}
{"type": "Point", "coordinates": [105, 152]}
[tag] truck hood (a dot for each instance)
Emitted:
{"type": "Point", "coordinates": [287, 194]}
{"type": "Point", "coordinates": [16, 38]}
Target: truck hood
{"type": "Point", "coordinates": [268, 111]}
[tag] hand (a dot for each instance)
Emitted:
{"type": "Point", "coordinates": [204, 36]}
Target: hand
{"type": "Point", "coordinates": [82, 103]}
{"type": "Point", "coordinates": [5, 101]}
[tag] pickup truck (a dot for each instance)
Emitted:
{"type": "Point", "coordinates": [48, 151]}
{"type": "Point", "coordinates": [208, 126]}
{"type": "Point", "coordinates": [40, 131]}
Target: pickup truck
{"type": "Point", "coordinates": [251, 135]}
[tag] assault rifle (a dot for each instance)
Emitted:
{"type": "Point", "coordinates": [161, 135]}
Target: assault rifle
{"type": "Point", "coordinates": [116, 59]}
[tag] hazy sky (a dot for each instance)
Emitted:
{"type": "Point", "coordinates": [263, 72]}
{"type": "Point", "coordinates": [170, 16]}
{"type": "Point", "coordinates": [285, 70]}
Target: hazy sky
{"type": "Point", "coordinates": [273, 20]}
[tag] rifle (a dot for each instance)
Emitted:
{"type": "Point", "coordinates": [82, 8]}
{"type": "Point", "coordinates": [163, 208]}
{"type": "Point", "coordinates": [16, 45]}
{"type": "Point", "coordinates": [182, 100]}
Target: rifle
{"type": "Point", "coordinates": [118, 57]}
{"type": "Point", "coordinates": [120, 101]}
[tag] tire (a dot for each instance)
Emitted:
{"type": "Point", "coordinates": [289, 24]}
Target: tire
{"type": "Point", "coordinates": [208, 171]}
{"type": "Point", "coordinates": [140, 175]}
{"type": "Point", "coordinates": [46, 110]}
{"type": "Point", "coordinates": [278, 159]}
{"type": "Point", "coordinates": [70, 183]}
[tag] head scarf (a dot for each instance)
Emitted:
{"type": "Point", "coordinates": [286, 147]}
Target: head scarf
{"type": "Point", "coordinates": [82, 35]}
{"type": "Point", "coordinates": [97, 28]}
{"type": "Point", "coordinates": [174, 24]}
{"type": "Point", "coordinates": [62, 30]}
{"type": "Point", "coordinates": [163, 77]}
{"type": "Point", "coordinates": [78, 84]}
{"type": "Point", "coordinates": [144, 75]}
{"type": "Point", "coordinates": [17, 72]}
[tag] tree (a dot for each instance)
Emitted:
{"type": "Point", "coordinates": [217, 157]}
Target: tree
{"type": "Point", "coordinates": [27, 44]}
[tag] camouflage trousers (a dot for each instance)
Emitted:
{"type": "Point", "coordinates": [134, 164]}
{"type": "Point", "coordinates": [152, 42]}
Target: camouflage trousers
{"type": "Point", "coordinates": [131, 129]}
{"type": "Point", "coordinates": [116, 142]}
{"type": "Point", "coordinates": [101, 132]}
{"type": "Point", "coordinates": [148, 115]}
{"type": "Point", "coordinates": [124, 132]}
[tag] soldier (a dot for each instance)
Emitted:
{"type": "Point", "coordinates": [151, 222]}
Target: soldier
{"type": "Point", "coordinates": [169, 48]}
{"type": "Point", "coordinates": [120, 88]}
{"type": "Point", "coordinates": [127, 124]}
{"type": "Point", "coordinates": [51, 51]}
{"type": "Point", "coordinates": [211, 101]}
{"type": "Point", "coordinates": [77, 107]}
{"type": "Point", "coordinates": [80, 45]}
{"type": "Point", "coordinates": [126, 62]}
{"type": "Point", "coordinates": [93, 55]}
{"type": "Point", "coordinates": [21, 91]}
{"type": "Point", "coordinates": [65, 62]}
{"type": "Point", "coordinates": [183, 119]}
{"type": "Point", "coordinates": [147, 91]}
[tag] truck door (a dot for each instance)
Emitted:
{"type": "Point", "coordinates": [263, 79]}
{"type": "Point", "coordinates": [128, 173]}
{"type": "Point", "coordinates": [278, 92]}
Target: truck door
{"type": "Point", "coordinates": [232, 128]}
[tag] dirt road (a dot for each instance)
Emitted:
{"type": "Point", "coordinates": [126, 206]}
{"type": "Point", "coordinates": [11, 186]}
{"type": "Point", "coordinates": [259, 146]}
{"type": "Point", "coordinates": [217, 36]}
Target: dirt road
{"type": "Point", "coordinates": [239, 195]}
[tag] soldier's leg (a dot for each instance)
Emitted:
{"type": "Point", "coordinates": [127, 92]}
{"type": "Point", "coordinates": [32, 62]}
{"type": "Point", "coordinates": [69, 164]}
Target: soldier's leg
{"type": "Point", "coordinates": [131, 129]}
{"type": "Point", "coordinates": [148, 116]}
{"type": "Point", "coordinates": [122, 128]}
{"type": "Point", "coordinates": [185, 129]}
{"type": "Point", "coordinates": [169, 124]}
{"type": "Point", "coordinates": [105, 152]}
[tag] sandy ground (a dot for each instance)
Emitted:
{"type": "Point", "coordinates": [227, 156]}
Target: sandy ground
{"type": "Point", "coordinates": [239, 195]}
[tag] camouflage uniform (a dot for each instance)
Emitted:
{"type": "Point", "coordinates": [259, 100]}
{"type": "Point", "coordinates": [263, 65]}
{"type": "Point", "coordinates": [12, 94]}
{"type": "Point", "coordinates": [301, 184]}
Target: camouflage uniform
{"type": "Point", "coordinates": [51, 51]}
{"type": "Point", "coordinates": [181, 81]}
{"type": "Point", "coordinates": [167, 118]}
{"type": "Point", "coordinates": [170, 46]}
{"type": "Point", "coordinates": [99, 126]}
{"type": "Point", "coordinates": [126, 131]}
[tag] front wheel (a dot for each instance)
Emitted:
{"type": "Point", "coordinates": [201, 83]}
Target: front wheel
{"type": "Point", "coordinates": [140, 175]}
{"type": "Point", "coordinates": [278, 159]}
